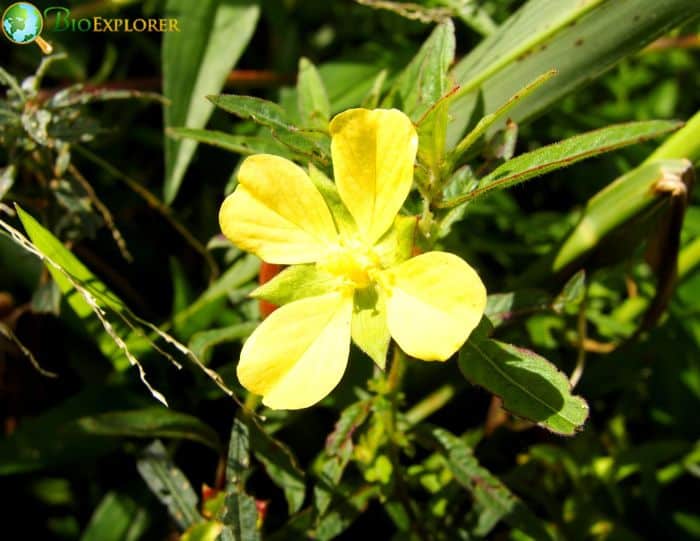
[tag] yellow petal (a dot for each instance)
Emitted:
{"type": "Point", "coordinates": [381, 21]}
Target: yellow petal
{"type": "Point", "coordinates": [373, 153]}
{"type": "Point", "coordinates": [299, 353]}
{"type": "Point", "coordinates": [277, 213]}
{"type": "Point", "coordinates": [434, 302]}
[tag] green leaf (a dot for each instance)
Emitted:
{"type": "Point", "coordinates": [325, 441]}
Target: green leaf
{"type": "Point", "coordinates": [490, 119]}
{"type": "Point", "coordinates": [55, 438]}
{"type": "Point", "coordinates": [295, 283]}
{"type": "Point", "coordinates": [240, 518]}
{"type": "Point", "coordinates": [88, 296]}
{"type": "Point", "coordinates": [169, 485]}
{"type": "Point", "coordinates": [314, 107]}
{"type": "Point", "coordinates": [238, 459]}
{"type": "Point", "coordinates": [204, 310]}
{"type": "Point", "coordinates": [494, 499]}
{"type": "Point", "coordinates": [572, 293]}
{"type": "Point", "coordinates": [351, 418]}
{"type": "Point", "coordinates": [348, 82]}
{"type": "Point", "coordinates": [530, 386]}
{"type": "Point", "coordinates": [117, 518]}
{"type": "Point", "coordinates": [311, 144]}
{"type": "Point", "coordinates": [196, 62]}
{"type": "Point", "coordinates": [622, 200]}
{"type": "Point", "coordinates": [52, 248]}
{"type": "Point", "coordinates": [203, 531]}
{"type": "Point", "coordinates": [240, 514]}
{"type": "Point", "coordinates": [581, 40]}
{"type": "Point", "coordinates": [370, 329]}
{"type": "Point", "coordinates": [337, 454]}
{"type": "Point", "coordinates": [203, 341]}
{"type": "Point", "coordinates": [280, 465]}
{"type": "Point", "coordinates": [345, 512]}
{"type": "Point", "coordinates": [371, 100]}
{"type": "Point", "coordinates": [460, 183]}
{"type": "Point", "coordinates": [685, 143]}
{"type": "Point", "coordinates": [154, 422]}
{"type": "Point", "coordinates": [424, 81]}
{"type": "Point", "coordinates": [432, 136]}
{"type": "Point", "coordinates": [565, 153]}
{"type": "Point", "coordinates": [239, 144]}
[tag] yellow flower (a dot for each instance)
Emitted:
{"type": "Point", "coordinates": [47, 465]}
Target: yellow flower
{"type": "Point", "coordinates": [352, 276]}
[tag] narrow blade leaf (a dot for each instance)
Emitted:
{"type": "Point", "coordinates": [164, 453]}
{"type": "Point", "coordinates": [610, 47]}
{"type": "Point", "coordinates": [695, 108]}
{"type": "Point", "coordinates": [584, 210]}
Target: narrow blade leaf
{"type": "Point", "coordinates": [196, 62]}
{"type": "Point", "coordinates": [150, 423]}
{"type": "Point", "coordinates": [581, 40]}
{"type": "Point", "coordinates": [494, 499]}
{"type": "Point", "coordinates": [169, 484]}
{"type": "Point", "coordinates": [565, 153]}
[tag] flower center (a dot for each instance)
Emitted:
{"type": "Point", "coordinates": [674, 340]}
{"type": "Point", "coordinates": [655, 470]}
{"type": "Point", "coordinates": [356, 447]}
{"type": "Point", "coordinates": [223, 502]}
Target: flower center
{"type": "Point", "coordinates": [354, 264]}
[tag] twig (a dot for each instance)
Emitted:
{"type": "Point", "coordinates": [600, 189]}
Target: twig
{"type": "Point", "coordinates": [681, 42]}
{"type": "Point", "coordinates": [12, 337]}
{"type": "Point", "coordinates": [415, 12]}
{"type": "Point", "coordinates": [104, 212]}
{"type": "Point", "coordinates": [156, 205]}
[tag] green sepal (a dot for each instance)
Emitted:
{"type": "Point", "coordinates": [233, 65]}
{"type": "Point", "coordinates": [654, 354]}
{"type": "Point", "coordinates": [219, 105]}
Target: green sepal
{"type": "Point", "coordinates": [370, 330]}
{"type": "Point", "coordinates": [295, 283]}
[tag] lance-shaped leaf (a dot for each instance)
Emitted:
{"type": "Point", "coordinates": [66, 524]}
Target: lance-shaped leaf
{"type": "Point", "coordinates": [622, 200]}
{"type": "Point", "coordinates": [196, 62]}
{"type": "Point", "coordinates": [70, 272]}
{"type": "Point", "coordinates": [280, 464]}
{"type": "Point", "coordinates": [117, 518]}
{"type": "Point", "coordinates": [581, 40]}
{"type": "Point", "coordinates": [169, 484]}
{"type": "Point", "coordinates": [530, 386]}
{"type": "Point", "coordinates": [311, 144]}
{"type": "Point", "coordinates": [425, 79]}
{"type": "Point", "coordinates": [240, 514]}
{"type": "Point", "coordinates": [565, 153]}
{"type": "Point", "coordinates": [339, 448]}
{"type": "Point", "coordinates": [150, 423]}
{"type": "Point", "coordinates": [494, 499]}
{"type": "Point", "coordinates": [313, 104]}
{"type": "Point", "coordinates": [203, 341]}
{"type": "Point", "coordinates": [238, 144]}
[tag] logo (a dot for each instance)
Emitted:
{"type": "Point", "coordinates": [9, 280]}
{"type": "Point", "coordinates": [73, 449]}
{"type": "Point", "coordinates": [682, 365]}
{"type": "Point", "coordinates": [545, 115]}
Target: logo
{"type": "Point", "coordinates": [22, 24]}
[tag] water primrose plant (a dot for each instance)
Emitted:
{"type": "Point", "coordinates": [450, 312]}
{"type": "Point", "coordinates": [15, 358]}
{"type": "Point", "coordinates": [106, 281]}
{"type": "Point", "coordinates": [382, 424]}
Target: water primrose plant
{"type": "Point", "coordinates": [352, 273]}
{"type": "Point", "coordinates": [364, 157]}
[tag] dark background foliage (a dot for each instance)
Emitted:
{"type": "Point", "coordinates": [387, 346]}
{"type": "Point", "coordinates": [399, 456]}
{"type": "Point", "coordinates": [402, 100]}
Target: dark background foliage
{"type": "Point", "coordinates": [631, 473]}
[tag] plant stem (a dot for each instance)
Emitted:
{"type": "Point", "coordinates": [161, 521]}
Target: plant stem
{"type": "Point", "coordinates": [392, 390]}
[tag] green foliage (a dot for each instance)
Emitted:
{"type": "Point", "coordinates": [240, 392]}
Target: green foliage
{"type": "Point", "coordinates": [591, 329]}
{"type": "Point", "coordinates": [169, 484]}
{"type": "Point", "coordinates": [196, 62]}
{"type": "Point", "coordinates": [529, 385]}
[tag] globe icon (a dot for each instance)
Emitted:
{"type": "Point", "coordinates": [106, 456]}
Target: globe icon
{"type": "Point", "coordinates": [22, 23]}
